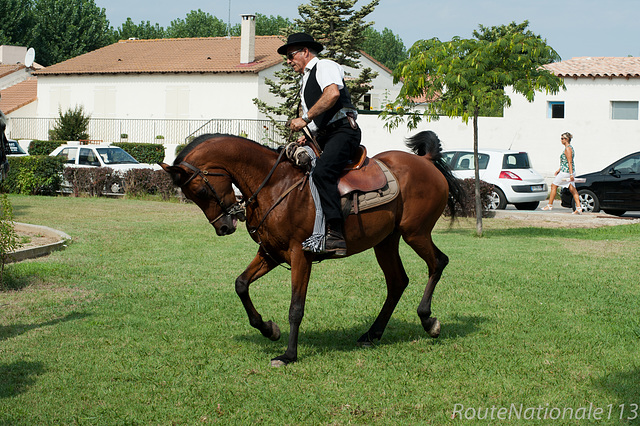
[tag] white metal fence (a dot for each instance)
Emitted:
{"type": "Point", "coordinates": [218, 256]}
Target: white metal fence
{"type": "Point", "coordinates": [164, 131]}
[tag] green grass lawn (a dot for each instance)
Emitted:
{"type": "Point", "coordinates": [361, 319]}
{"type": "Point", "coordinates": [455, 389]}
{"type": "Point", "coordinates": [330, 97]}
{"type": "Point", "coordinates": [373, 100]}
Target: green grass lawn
{"type": "Point", "coordinates": [137, 322]}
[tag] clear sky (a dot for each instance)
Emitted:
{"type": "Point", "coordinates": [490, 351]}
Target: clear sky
{"type": "Point", "coordinates": [572, 27]}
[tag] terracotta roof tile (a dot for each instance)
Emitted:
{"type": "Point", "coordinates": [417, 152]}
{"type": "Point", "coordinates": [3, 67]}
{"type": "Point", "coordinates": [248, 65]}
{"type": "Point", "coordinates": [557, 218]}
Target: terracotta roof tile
{"type": "Point", "coordinates": [183, 55]}
{"type": "Point", "coordinates": [18, 95]}
{"type": "Point", "coordinates": [6, 69]}
{"type": "Point", "coordinates": [593, 67]}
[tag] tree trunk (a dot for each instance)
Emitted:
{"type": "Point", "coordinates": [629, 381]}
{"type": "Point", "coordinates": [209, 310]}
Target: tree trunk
{"type": "Point", "coordinates": [477, 174]}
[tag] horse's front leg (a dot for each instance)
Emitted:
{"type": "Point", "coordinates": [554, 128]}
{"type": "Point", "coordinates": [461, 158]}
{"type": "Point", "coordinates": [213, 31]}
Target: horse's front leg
{"type": "Point", "coordinates": [300, 272]}
{"type": "Point", "coordinates": [259, 266]}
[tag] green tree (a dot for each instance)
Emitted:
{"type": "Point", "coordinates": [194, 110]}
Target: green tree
{"type": "Point", "coordinates": [271, 25]}
{"type": "Point", "coordinates": [16, 22]}
{"type": "Point", "coordinates": [340, 29]}
{"type": "Point", "coordinates": [197, 24]}
{"type": "Point", "coordinates": [461, 77]}
{"type": "Point", "coordinates": [71, 125]}
{"type": "Point", "coordinates": [385, 47]}
{"type": "Point", "coordinates": [143, 30]}
{"type": "Point", "coordinates": [67, 28]}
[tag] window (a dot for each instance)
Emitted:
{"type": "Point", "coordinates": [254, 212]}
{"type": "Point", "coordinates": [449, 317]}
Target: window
{"type": "Point", "coordinates": [105, 102]}
{"type": "Point", "coordinates": [88, 158]}
{"type": "Point", "coordinates": [366, 102]}
{"type": "Point", "coordinates": [516, 161]}
{"type": "Point", "coordinates": [465, 161]}
{"type": "Point", "coordinates": [624, 110]}
{"type": "Point", "coordinates": [177, 102]}
{"type": "Point", "coordinates": [69, 154]}
{"type": "Point", "coordinates": [628, 166]}
{"type": "Point", "coordinates": [556, 110]}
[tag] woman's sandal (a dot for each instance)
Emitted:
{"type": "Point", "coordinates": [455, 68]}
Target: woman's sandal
{"type": "Point", "coordinates": [577, 211]}
{"type": "Point", "coordinates": [547, 207]}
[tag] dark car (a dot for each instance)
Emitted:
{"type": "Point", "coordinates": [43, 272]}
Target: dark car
{"type": "Point", "coordinates": [16, 149]}
{"type": "Point", "coordinates": [615, 189]}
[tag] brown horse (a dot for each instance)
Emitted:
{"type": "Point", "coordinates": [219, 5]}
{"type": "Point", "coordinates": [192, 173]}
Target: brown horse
{"type": "Point", "coordinates": [280, 215]}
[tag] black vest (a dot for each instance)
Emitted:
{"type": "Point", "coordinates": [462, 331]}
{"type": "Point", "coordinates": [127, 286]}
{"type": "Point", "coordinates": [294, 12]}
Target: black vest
{"type": "Point", "coordinates": [312, 93]}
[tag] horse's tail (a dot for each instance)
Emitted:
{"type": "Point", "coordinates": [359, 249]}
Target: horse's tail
{"type": "Point", "coordinates": [427, 144]}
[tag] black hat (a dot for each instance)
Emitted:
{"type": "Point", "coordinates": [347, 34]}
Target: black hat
{"type": "Point", "coordinates": [300, 39]}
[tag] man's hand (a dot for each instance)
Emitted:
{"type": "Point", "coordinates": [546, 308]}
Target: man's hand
{"type": "Point", "coordinates": [297, 124]}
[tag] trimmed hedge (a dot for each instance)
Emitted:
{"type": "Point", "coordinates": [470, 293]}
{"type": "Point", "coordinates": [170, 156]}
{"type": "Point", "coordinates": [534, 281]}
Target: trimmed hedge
{"type": "Point", "coordinates": [37, 147]}
{"type": "Point", "coordinates": [95, 181]}
{"type": "Point", "coordinates": [99, 181]}
{"type": "Point", "coordinates": [33, 175]}
{"type": "Point", "coordinates": [151, 153]}
{"type": "Point", "coordinates": [139, 182]}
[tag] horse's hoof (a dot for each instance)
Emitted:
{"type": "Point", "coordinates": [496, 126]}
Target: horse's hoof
{"type": "Point", "coordinates": [281, 361]}
{"type": "Point", "coordinates": [433, 327]}
{"type": "Point", "coordinates": [365, 341]}
{"type": "Point", "coordinates": [275, 331]}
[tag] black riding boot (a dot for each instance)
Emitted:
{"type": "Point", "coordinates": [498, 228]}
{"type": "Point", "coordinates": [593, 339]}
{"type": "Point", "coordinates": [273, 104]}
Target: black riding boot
{"type": "Point", "coordinates": [335, 242]}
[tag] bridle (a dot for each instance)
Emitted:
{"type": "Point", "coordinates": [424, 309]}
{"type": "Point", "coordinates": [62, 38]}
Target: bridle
{"type": "Point", "coordinates": [231, 210]}
{"type": "Point", "coordinates": [239, 207]}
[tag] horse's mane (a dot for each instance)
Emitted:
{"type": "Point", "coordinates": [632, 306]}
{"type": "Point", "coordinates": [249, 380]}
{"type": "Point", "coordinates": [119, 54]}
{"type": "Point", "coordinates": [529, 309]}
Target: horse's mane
{"type": "Point", "coordinates": [205, 137]}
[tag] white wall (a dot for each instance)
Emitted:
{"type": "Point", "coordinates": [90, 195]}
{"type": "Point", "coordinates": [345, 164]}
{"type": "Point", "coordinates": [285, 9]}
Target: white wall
{"type": "Point", "coordinates": [383, 90]}
{"type": "Point", "coordinates": [598, 140]}
{"type": "Point", "coordinates": [151, 96]}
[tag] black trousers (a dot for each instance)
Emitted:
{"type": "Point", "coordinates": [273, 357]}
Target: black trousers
{"type": "Point", "coordinates": [338, 146]}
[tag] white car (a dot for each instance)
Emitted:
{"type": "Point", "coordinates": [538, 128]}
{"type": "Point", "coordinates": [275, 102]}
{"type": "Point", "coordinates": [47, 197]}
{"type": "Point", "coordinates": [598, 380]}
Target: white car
{"type": "Point", "coordinates": [110, 156]}
{"type": "Point", "coordinates": [510, 172]}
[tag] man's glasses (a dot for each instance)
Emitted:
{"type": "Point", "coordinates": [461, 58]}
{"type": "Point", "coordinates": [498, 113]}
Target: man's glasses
{"type": "Point", "coordinates": [292, 54]}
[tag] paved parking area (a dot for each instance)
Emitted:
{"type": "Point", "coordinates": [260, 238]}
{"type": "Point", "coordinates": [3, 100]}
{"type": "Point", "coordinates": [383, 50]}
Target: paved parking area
{"type": "Point", "coordinates": [561, 216]}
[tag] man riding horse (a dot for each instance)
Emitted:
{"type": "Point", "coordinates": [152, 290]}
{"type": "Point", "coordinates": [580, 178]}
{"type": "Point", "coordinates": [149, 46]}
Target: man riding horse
{"type": "Point", "coordinates": [329, 115]}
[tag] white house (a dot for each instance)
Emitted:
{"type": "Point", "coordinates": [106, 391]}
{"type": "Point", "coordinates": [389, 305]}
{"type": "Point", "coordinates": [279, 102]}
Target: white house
{"type": "Point", "coordinates": [18, 90]}
{"type": "Point", "coordinates": [173, 80]}
{"type": "Point", "coordinates": [599, 108]}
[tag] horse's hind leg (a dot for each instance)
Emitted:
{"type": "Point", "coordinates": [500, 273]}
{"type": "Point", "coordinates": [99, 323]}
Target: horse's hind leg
{"type": "Point", "coordinates": [259, 266]}
{"type": "Point", "coordinates": [436, 262]}
{"type": "Point", "coordinates": [389, 260]}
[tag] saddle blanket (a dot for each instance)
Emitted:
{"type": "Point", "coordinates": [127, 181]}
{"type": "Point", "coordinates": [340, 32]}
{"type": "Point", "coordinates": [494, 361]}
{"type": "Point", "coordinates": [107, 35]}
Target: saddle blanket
{"type": "Point", "coordinates": [357, 201]}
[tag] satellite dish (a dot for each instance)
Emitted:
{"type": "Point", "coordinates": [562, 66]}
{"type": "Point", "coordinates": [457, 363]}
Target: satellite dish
{"type": "Point", "coordinates": [29, 57]}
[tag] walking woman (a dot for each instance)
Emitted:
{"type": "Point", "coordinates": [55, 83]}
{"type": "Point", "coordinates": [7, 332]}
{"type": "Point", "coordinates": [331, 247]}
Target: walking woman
{"type": "Point", "coordinates": [565, 176]}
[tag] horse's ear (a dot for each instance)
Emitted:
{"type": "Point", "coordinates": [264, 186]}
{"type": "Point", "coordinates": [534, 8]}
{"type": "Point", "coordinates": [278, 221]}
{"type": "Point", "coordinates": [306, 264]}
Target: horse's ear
{"type": "Point", "coordinates": [178, 175]}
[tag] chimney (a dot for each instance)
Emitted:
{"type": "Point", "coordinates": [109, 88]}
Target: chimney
{"type": "Point", "coordinates": [248, 39]}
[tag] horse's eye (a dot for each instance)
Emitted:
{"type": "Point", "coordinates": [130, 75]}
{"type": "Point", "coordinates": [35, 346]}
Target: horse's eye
{"type": "Point", "coordinates": [202, 193]}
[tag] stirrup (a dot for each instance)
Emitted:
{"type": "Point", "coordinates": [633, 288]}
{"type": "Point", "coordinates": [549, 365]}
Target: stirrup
{"type": "Point", "coordinates": [335, 243]}
{"type": "Point", "coordinates": [547, 207]}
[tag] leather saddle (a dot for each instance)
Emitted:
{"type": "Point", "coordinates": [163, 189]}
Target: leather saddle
{"type": "Point", "coordinates": [361, 174]}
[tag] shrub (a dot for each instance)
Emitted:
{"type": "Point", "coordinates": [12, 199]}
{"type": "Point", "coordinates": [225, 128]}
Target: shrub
{"type": "Point", "coordinates": [469, 188]}
{"type": "Point", "coordinates": [95, 181]}
{"type": "Point", "coordinates": [37, 147]}
{"type": "Point", "coordinates": [139, 182]}
{"type": "Point", "coordinates": [34, 175]}
{"type": "Point", "coordinates": [71, 125]}
{"type": "Point", "coordinates": [9, 241]}
{"type": "Point", "coordinates": [151, 153]}
{"type": "Point", "coordinates": [163, 184]}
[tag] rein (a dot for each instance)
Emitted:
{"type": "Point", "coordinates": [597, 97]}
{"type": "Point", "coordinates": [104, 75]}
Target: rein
{"type": "Point", "coordinates": [238, 207]}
